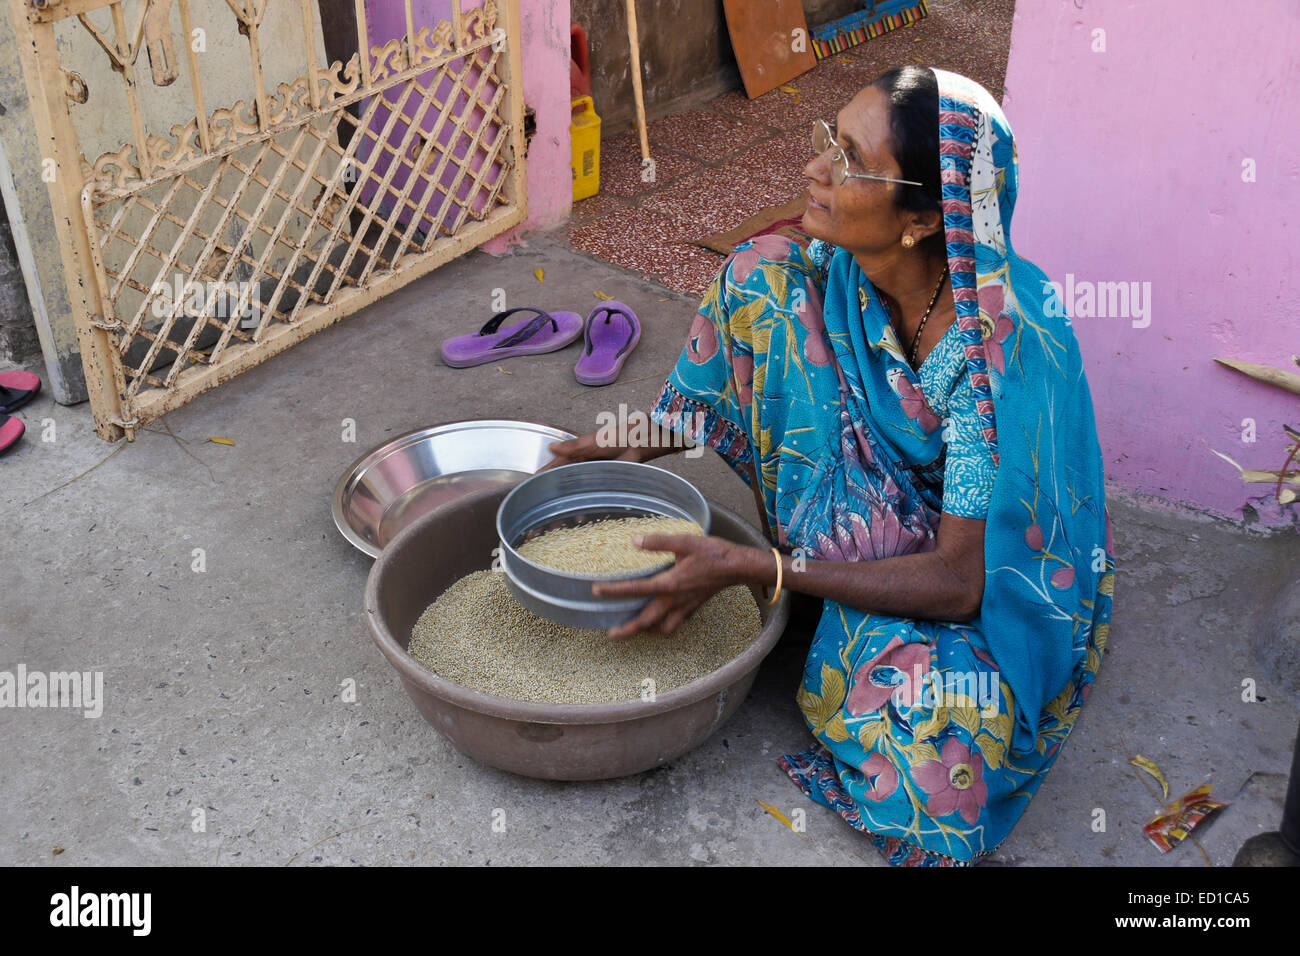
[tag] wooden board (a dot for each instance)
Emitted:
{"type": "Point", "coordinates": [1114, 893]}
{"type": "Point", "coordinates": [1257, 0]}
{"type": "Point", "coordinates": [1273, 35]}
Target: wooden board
{"type": "Point", "coordinates": [785, 218]}
{"type": "Point", "coordinates": [763, 35]}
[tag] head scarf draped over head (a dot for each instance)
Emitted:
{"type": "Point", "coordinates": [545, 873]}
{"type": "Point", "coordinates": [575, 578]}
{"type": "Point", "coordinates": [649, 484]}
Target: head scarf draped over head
{"type": "Point", "coordinates": [1047, 544]}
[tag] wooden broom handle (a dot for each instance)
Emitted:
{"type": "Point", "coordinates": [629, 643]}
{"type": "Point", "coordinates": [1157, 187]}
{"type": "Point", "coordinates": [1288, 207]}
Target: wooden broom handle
{"type": "Point", "coordinates": [635, 45]}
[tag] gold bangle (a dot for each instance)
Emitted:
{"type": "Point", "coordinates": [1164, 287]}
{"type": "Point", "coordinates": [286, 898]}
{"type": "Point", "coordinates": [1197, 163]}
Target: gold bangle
{"type": "Point", "coordinates": [780, 572]}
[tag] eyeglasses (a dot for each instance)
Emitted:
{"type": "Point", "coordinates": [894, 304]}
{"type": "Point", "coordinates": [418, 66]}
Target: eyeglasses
{"type": "Point", "coordinates": [824, 139]}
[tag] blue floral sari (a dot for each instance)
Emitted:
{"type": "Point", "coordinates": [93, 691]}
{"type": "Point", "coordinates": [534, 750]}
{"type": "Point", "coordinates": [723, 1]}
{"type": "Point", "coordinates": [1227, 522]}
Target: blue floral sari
{"type": "Point", "coordinates": [931, 736]}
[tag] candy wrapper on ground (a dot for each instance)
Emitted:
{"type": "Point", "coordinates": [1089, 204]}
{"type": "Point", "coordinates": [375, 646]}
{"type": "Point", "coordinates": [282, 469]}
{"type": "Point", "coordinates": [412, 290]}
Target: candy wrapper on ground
{"type": "Point", "coordinates": [1176, 823]}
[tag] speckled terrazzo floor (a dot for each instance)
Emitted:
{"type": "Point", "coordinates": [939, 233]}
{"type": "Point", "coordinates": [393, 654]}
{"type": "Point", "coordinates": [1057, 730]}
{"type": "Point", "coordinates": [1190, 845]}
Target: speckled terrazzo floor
{"type": "Point", "coordinates": [717, 165]}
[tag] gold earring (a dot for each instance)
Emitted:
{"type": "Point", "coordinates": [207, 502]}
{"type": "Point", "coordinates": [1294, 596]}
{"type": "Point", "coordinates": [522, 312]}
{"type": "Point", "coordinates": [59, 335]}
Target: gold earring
{"type": "Point", "coordinates": [908, 242]}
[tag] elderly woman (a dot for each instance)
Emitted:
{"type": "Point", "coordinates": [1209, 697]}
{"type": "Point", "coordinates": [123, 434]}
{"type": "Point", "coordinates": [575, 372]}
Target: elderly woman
{"type": "Point", "coordinates": [910, 409]}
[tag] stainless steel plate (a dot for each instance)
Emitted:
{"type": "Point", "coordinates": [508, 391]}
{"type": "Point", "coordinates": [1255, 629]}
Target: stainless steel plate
{"type": "Point", "coordinates": [388, 488]}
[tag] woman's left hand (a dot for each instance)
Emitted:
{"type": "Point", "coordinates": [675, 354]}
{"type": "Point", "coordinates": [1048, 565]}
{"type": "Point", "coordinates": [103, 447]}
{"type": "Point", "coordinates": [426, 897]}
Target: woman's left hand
{"type": "Point", "coordinates": [705, 565]}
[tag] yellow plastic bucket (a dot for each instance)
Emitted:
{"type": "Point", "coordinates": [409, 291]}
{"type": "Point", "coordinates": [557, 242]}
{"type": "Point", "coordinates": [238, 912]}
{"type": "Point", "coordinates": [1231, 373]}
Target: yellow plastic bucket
{"type": "Point", "coordinates": [584, 131]}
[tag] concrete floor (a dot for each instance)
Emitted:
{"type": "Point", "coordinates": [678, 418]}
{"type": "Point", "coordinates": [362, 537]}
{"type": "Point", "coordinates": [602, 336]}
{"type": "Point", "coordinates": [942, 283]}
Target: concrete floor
{"type": "Point", "coordinates": [223, 688]}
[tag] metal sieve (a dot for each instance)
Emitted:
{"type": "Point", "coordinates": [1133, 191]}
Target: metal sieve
{"type": "Point", "coordinates": [570, 495]}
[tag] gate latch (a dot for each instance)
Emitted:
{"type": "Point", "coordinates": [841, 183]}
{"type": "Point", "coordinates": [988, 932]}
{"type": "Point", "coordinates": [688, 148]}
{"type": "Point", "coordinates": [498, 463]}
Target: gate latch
{"type": "Point", "coordinates": [113, 324]}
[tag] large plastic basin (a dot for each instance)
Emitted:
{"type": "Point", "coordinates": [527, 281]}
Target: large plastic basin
{"type": "Point", "coordinates": [550, 741]}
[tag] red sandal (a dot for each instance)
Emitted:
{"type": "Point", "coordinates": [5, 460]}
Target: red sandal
{"type": "Point", "coordinates": [11, 429]}
{"type": "Point", "coordinates": [17, 388]}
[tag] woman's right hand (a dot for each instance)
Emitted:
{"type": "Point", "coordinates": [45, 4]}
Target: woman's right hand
{"type": "Point", "coordinates": [588, 448]}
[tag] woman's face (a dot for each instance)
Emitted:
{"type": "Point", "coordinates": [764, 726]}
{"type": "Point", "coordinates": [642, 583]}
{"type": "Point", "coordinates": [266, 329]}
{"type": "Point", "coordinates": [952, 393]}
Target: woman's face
{"type": "Point", "coordinates": [859, 215]}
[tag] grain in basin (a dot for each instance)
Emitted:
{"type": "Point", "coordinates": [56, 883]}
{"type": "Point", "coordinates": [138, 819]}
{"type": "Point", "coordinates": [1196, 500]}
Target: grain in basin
{"type": "Point", "coordinates": [476, 635]}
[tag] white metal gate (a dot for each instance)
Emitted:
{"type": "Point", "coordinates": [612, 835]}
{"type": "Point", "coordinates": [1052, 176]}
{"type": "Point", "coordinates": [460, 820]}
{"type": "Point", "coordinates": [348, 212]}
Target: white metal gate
{"type": "Point", "coordinates": [196, 252]}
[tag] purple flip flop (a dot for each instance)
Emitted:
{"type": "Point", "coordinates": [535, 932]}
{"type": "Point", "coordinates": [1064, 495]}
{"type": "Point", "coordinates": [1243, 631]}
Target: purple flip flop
{"type": "Point", "coordinates": [607, 344]}
{"type": "Point", "coordinates": [544, 332]}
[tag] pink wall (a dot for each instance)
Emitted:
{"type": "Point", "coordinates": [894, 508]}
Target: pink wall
{"type": "Point", "coordinates": [545, 33]}
{"type": "Point", "coordinates": [1131, 166]}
